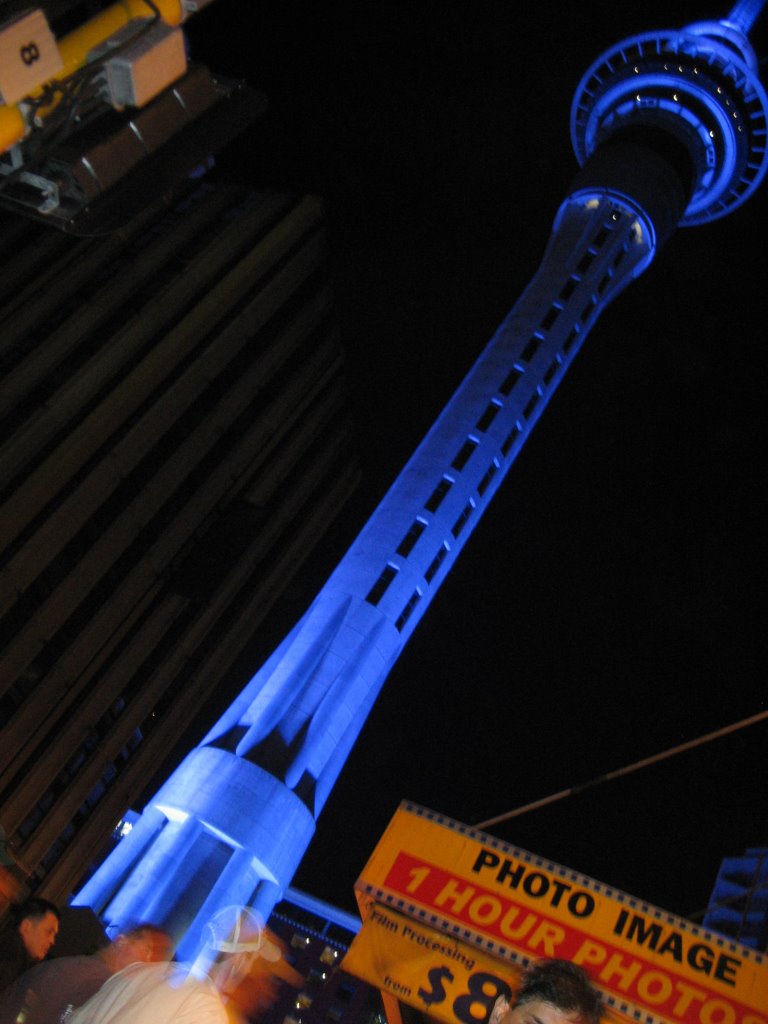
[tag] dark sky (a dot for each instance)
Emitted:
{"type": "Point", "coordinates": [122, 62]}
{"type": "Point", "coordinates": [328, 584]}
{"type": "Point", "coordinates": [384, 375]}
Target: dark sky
{"type": "Point", "coordinates": [609, 605]}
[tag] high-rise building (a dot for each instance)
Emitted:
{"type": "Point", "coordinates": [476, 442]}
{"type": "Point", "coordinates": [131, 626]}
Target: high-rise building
{"type": "Point", "coordinates": [670, 128]}
{"type": "Point", "coordinates": [316, 936]}
{"type": "Point", "coordinates": [738, 906]}
{"type": "Point", "coordinates": [174, 441]}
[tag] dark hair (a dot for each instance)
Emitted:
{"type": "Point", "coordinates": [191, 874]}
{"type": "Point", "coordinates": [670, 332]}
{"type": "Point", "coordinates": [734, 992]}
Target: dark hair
{"type": "Point", "coordinates": [35, 907]}
{"type": "Point", "coordinates": [564, 985]}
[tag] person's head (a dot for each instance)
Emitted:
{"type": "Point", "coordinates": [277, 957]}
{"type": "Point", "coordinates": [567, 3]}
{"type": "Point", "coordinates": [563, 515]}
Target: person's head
{"type": "Point", "coordinates": [145, 943]}
{"type": "Point", "coordinates": [239, 938]}
{"type": "Point", "coordinates": [555, 992]}
{"type": "Point", "coordinates": [245, 960]}
{"type": "Point", "coordinates": [37, 922]}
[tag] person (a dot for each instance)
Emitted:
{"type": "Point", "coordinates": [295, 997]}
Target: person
{"type": "Point", "coordinates": [27, 938]}
{"type": "Point", "coordinates": [153, 994]}
{"type": "Point", "coordinates": [44, 993]}
{"type": "Point", "coordinates": [552, 992]}
{"type": "Point", "coordinates": [208, 991]}
{"type": "Point", "coordinates": [246, 961]}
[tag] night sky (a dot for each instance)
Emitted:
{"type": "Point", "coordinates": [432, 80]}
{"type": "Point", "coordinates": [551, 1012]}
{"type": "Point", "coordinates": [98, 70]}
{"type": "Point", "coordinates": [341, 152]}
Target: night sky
{"type": "Point", "coordinates": [609, 605]}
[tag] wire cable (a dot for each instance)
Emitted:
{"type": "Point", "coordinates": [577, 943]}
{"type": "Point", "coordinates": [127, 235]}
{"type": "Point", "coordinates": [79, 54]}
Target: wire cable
{"type": "Point", "coordinates": [626, 770]}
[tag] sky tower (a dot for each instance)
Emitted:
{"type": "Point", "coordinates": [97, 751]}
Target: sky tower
{"type": "Point", "coordinates": [670, 128]}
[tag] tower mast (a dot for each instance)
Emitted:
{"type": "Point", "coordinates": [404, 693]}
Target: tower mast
{"type": "Point", "coordinates": [670, 128]}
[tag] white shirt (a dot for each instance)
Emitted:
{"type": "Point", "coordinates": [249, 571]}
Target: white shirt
{"type": "Point", "coordinates": [153, 994]}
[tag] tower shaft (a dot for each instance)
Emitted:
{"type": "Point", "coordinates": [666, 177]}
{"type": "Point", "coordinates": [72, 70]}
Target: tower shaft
{"type": "Point", "coordinates": [232, 822]}
{"type": "Point", "coordinates": [744, 14]}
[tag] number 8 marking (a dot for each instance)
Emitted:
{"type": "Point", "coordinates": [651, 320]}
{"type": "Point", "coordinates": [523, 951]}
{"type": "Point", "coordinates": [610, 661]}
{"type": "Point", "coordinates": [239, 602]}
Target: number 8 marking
{"type": "Point", "coordinates": [29, 53]}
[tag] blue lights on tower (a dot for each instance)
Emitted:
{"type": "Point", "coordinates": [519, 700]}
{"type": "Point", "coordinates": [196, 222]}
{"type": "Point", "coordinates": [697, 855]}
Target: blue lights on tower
{"type": "Point", "coordinates": [700, 86]}
{"type": "Point", "coordinates": [670, 128]}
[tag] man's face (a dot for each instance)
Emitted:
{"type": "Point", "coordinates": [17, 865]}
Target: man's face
{"type": "Point", "coordinates": [38, 934]}
{"type": "Point", "coordinates": [537, 1011]}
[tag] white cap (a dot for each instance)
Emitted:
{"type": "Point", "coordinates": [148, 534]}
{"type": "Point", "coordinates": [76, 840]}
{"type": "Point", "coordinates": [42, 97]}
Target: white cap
{"type": "Point", "coordinates": [241, 930]}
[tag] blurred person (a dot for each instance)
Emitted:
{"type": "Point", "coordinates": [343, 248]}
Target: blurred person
{"type": "Point", "coordinates": [153, 994]}
{"type": "Point", "coordinates": [27, 938]}
{"type": "Point", "coordinates": [250, 962]}
{"type": "Point", "coordinates": [44, 993]}
{"type": "Point", "coordinates": [552, 992]}
{"type": "Point", "coordinates": [206, 992]}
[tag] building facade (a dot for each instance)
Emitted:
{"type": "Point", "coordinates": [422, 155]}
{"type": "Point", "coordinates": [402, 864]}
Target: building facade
{"type": "Point", "coordinates": [738, 906]}
{"type": "Point", "coordinates": [316, 936]}
{"type": "Point", "coordinates": [174, 441]}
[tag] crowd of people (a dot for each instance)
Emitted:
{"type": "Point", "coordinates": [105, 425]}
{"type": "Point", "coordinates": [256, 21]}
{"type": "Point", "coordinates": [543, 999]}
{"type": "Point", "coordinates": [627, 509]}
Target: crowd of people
{"type": "Point", "coordinates": [132, 979]}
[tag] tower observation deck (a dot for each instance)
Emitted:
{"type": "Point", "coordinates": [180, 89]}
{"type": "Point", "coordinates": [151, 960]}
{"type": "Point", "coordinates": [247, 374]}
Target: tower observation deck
{"type": "Point", "coordinates": [669, 128]}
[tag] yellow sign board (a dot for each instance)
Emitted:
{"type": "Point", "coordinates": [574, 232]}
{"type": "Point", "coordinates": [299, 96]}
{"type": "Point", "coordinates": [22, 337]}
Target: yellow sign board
{"type": "Point", "coordinates": [652, 967]}
{"type": "Point", "coordinates": [447, 979]}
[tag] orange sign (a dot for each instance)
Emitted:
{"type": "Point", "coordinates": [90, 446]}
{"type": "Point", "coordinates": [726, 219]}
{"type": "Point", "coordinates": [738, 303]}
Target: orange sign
{"type": "Point", "coordinates": [652, 967]}
{"type": "Point", "coordinates": [451, 981]}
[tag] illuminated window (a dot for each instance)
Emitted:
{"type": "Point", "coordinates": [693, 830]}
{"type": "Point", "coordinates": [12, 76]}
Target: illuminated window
{"type": "Point", "coordinates": [568, 343]}
{"type": "Point", "coordinates": [461, 522]}
{"type": "Point", "coordinates": [530, 349]}
{"type": "Point", "coordinates": [586, 313]}
{"type": "Point", "coordinates": [488, 416]}
{"type": "Point", "coordinates": [436, 497]}
{"type": "Point", "coordinates": [531, 404]}
{"type": "Point", "coordinates": [552, 314]}
{"type": "Point", "coordinates": [436, 562]}
{"type": "Point", "coordinates": [510, 380]}
{"type": "Point", "coordinates": [379, 588]}
{"type": "Point", "coordinates": [462, 458]}
{"type": "Point", "coordinates": [407, 544]}
{"type": "Point", "coordinates": [405, 614]}
{"type": "Point", "coordinates": [482, 487]}
{"type": "Point", "coordinates": [510, 439]}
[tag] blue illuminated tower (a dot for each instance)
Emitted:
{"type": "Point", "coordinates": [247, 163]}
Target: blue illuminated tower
{"type": "Point", "coordinates": [670, 128]}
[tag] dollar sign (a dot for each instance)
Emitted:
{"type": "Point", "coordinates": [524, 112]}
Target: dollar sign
{"type": "Point", "coordinates": [437, 993]}
{"type": "Point", "coordinates": [476, 1004]}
